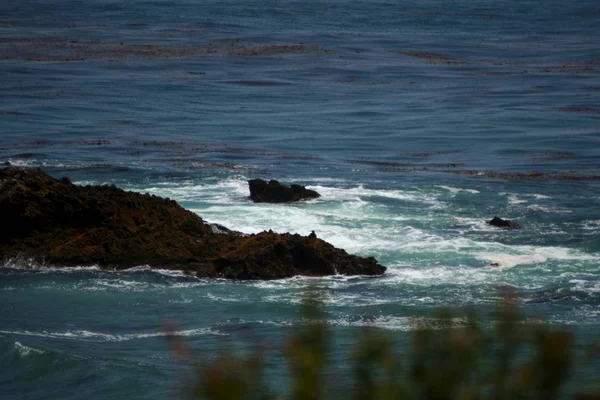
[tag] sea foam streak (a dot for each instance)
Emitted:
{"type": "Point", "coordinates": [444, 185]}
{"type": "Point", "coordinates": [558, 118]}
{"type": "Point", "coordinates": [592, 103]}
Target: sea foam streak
{"type": "Point", "coordinates": [454, 190]}
{"type": "Point", "coordinates": [22, 264]}
{"type": "Point", "coordinates": [30, 264]}
{"type": "Point", "coordinates": [90, 336]}
{"type": "Point", "coordinates": [395, 323]}
{"type": "Point", "coordinates": [25, 351]}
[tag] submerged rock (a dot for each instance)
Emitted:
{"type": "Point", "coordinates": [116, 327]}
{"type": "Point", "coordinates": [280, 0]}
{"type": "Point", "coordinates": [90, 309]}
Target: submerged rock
{"type": "Point", "coordinates": [262, 191]}
{"type": "Point", "coordinates": [504, 223]}
{"type": "Point", "coordinates": [62, 224]}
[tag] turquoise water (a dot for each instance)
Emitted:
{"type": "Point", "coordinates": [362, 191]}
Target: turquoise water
{"type": "Point", "coordinates": [382, 107]}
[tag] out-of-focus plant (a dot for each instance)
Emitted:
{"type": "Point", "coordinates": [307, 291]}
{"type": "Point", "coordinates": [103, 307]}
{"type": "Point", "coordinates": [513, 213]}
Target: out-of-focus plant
{"type": "Point", "coordinates": [306, 353]}
{"type": "Point", "coordinates": [230, 377]}
{"type": "Point", "coordinates": [455, 358]}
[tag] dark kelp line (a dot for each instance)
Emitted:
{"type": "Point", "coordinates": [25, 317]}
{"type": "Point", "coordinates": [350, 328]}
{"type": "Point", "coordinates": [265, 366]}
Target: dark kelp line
{"type": "Point", "coordinates": [456, 356]}
{"type": "Point", "coordinates": [190, 155]}
{"type": "Point", "coordinates": [69, 49]}
{"type": "Point", "coordinates": [62, 224]}
{"type": "Point", "coordinates": [66, 46]}
{"type": "Point", "coordinates": [538, 175]}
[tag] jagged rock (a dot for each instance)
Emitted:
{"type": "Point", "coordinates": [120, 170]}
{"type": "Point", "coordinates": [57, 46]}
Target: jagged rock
{"type": "Point", "coordinates": [262, 191]}
{"type": "Point", "coordinates": [62, 224]}
{"type": "Point", "coordinates": [504, 223]}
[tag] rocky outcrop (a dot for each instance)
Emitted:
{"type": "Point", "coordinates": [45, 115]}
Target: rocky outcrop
{"type": "Point", "coordinates": [504, 223]}
{"type": "Point", "coordinates": [262, 191]}
{"type": "Point", "coordinates": [59, 223]}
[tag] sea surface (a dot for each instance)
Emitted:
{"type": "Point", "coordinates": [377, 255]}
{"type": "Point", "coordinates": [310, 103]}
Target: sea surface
{"type": "Point", "coordinates": [417, 121]}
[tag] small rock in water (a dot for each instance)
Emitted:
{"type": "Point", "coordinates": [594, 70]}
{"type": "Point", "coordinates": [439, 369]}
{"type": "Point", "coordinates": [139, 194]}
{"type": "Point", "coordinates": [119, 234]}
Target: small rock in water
{"type": "Point", "coordinates": [262, 191]}
{"type": "Point", "coordinates": [504, 223]}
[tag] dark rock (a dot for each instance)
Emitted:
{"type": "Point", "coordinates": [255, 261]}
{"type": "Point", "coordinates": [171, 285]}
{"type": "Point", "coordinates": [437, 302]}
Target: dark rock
{"type": "Point", "coordinates": [312, 235]}
{"type": "Point", "coordinates": [262, 191]}
{"type": "Point", "coordinates": [504, 223]}
{"type": "Point", "coordinates": [61, 224]}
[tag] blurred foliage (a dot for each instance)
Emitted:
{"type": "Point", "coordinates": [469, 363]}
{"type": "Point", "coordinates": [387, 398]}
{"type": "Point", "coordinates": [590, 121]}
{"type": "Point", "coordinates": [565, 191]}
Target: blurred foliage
{"type": "Point", "coordinates": [453, 359]}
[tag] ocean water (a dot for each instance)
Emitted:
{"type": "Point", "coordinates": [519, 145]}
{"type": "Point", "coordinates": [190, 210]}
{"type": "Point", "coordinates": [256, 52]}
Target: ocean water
{"type": "Point", "coordinates": [416, 121]}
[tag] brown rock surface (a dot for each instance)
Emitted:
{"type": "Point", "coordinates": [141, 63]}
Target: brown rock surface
{"type": "Point", "coordinates": [62, 224]}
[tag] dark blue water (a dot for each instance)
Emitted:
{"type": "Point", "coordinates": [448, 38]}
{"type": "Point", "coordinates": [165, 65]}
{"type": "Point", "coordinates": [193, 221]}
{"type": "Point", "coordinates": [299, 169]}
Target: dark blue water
{"type": "Point", "coordinates": [416, 121]}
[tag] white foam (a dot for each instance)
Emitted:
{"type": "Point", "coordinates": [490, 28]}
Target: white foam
{"type": "Point", "coordinates": [32, 265]}
{"type": "Point", "coordinates": [400, 323]}
{"type": "Point", "coordinates": [298, 281]}
{"type": "Point", "coordinates": [228, 191]}
{"type": "Point", "coordinates": [29, 264]}
{"type": "Point", "coordinates": [147, 268]}
{"type": "Point", "coordinates": [385, 322]}
{"type": "Point", "coordinates": [117, 284]}
{"type": "Point", "coordinates": [25, 351]}
{"type": "Point", "coordinates": [182, 301]}
{"type": "Point", "coordinates": [513, 199]}
{"type": "Point", "coordinates": [511, 260]}
{"type": "Point", "coordinates": [586, 286]}
{"type": "Point", "coordinates": [360, 192]}
{"type": "Point", "coordinates": [19, 162]}
{"type": "Point", "coordinates": [225, 299]}
{"type": "Point", "coordinates": [458, 190]}
{"type": "Point", "coordinates": [532, 255]}
{"type": "Point", "coordinates": [341, 227]}
{"type": "Point", "coordinates": [90, 336]}
{"type": "Point", "coordinates": [474, 224]}
{"type": "Point", "coordinates": [587, 314]}
{"type": "Point", "coordinates": [435, 275]}
{"type": "Point", "coordinates": [277, 323]}
{"type": "Point", "coordinates": [541, 196]}
{"type": "Point", "coordinates": [591, 224]}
